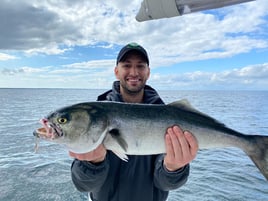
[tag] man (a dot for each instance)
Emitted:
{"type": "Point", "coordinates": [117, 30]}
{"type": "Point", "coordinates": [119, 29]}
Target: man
{"type": "Point", "coordinates": [142, 178]}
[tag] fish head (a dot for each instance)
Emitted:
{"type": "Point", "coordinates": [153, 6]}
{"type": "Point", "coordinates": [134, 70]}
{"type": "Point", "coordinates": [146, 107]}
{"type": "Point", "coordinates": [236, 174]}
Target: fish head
{"type": "Point", "coordinates": [80, 127]}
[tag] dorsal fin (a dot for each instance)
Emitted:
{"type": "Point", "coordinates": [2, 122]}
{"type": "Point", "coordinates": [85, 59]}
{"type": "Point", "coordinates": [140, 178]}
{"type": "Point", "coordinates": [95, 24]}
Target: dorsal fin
{"type": "Point", "coordinates": [184, 104]}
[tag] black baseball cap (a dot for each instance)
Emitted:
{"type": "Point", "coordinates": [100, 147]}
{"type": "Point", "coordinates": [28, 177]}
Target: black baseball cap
{"type": "Point", "coordinates": [132, 47]}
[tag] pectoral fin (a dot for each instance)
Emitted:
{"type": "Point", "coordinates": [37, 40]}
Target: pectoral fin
{"type": "Point", "coordinates": [122, 156]}
{"type": "Point", "coordinates": [115, 142]}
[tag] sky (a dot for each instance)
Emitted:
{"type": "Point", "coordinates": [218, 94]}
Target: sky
{"type": "Point", "coordinates": [74, 44]}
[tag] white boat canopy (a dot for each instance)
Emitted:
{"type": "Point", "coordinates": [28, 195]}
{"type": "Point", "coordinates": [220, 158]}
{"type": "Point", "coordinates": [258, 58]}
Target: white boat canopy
{"type": "Point", "coordinates": [157, 9]}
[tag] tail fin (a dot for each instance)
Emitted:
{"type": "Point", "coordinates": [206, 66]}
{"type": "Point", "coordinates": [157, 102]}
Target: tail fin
{"type": "Point", "coordinates": [259, 154]}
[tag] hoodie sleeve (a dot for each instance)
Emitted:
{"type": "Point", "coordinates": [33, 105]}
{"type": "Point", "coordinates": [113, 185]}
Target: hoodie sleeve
{"type": "Point", "coordinates": [89, 177]}
{"type": "Point", "coordinates": [166, 180]}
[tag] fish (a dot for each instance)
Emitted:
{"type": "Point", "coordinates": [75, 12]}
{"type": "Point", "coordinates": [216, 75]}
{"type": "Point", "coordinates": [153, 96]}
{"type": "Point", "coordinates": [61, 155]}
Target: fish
{"type": "Point", "coordinates": [139, 129]}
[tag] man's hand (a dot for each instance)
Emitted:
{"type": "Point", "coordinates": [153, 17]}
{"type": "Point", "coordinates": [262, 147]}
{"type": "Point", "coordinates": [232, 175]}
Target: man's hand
{"type": "Point", "coordinates": [95, 156]}
{"type": "Point", "coordinates": [181, 148]}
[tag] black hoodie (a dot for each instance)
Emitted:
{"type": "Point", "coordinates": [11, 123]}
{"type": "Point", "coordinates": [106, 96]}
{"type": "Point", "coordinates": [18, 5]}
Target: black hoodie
{"type": "Point", "coordinates": [142, 178]}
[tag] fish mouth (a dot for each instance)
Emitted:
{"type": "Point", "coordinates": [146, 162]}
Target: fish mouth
{"type": "Point", "coordinates": [48, 131]}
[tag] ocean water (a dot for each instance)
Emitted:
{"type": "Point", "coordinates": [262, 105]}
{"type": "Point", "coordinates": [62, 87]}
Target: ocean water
{"type": "Point", "coordinates": [216, 174]}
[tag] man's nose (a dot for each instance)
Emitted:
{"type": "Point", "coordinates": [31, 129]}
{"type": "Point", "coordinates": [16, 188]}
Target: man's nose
{"type": "Point", "coordinates": [133, 70]}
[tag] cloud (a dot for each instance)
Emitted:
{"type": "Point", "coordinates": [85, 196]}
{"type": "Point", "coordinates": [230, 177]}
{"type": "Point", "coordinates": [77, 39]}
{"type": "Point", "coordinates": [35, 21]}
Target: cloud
{"type": "Point", "coordinates": [21, 70]}
{"type": "Point", "coordinates": [47, 28]}
{"type": "Point", "coordinates": [54, 27]}
{"type": "Point", "coordinates": [254, 72]}
{"type": "Point", "coordinates": [93, 64]}
{"type": "Point", "coordinates": [27, 26]}
{"type": "Point", "coordinates": [5, 57]}
{"type": "Point", "coordinates": [206, 36]}
{"type": "Point", "coordinates": [249, 77]}
{"type": "Point", "coordinates": [93, 75]}
{"type": "Point", "coordinates": [40, 25]}
{"type": "Point", "coordinates": [90, 74]}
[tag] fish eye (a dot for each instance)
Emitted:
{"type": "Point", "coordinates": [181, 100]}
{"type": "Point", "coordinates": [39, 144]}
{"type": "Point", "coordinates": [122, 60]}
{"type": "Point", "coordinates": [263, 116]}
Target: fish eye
{"type": "Point", "coordinates": [62, 120]}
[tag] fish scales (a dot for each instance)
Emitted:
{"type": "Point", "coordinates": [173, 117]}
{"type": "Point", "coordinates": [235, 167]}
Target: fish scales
{"type": "Point", "coordinates": [139, 129]}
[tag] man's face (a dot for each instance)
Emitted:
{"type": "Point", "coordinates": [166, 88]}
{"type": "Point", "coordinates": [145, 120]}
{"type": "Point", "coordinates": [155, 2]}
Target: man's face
{"type": "Point", "coordinates": [132, 73]}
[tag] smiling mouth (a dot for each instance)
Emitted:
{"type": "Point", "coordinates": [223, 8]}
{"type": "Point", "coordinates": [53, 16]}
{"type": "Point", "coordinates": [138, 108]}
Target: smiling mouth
{"type": "Point", "coordinates": [133, 80]}
{"type": "Point", "coordinates": [48, 131]}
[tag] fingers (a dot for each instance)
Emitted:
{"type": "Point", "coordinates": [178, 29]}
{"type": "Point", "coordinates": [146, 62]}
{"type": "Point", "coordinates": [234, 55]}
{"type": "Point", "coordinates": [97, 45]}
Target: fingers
{"type": "Point", "coordinates": [181, 148]}
{"type": "Point", "coordinates": [175, 134]}
{"type": "Point", "coordinates": [193, 144]}
{"type": "Point", "coordinates": [169, 146]}
{"type": "Point", "coordinates": [183, 145]}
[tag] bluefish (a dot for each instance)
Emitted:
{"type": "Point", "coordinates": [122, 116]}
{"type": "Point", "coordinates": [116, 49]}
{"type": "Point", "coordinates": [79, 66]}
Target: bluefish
{"type": "Point", "coordinates": [139, 129]}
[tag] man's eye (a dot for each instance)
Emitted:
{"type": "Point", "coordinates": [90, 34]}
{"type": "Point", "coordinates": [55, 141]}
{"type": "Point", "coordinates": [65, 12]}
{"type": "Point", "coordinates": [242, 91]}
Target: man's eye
{"type": "Point", "coordinates": [141, 66]}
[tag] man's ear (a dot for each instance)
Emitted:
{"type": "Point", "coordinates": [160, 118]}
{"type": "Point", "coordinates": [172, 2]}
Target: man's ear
{"type": "Point", "coordinates": [116, 72]}
{"type": "Point", "coordinates": [149, 72]}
